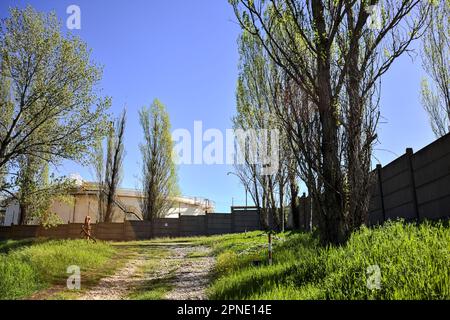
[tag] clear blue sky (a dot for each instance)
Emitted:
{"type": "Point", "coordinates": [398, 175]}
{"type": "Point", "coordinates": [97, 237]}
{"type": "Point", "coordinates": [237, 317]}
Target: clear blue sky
{"type": "Point", "coordinates": [185, 54]}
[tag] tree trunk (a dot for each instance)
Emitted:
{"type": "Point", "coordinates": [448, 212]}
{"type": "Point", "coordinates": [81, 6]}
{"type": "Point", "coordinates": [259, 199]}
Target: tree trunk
{"type": "Point", "coordinates": [332, 209]}
{"type": "Point", "coordinates": [281, 194]}
{"type": "Point", "coordinates": [23, 214]}
{"type": "Point", "coordinates": [293, 201]}
{"type": "Point", "coordinates": [109, 208]}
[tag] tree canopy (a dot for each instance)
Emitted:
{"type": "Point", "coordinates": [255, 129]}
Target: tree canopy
{"type": "Point", "coordinates": [159, 176]}
{"type": "Point", "coordinates": [51, 106]}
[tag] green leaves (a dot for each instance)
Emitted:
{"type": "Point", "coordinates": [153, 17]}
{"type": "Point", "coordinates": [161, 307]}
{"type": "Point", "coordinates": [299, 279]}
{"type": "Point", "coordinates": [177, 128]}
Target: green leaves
{"type": "Point", "coordinates": [50, 109]}
{"type": "Point", "coordinates": [54, 110]}
{"type": "Point", "coordinates": [435, 57]}
{"type": "Point", "coordinates": [159, 177]}
{"type": "Point", "coordinates": [37, 190]}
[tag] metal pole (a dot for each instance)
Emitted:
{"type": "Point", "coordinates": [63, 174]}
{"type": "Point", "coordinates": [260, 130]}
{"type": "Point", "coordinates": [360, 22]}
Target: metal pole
{"type": "Point", "coordinates": [270, 248]}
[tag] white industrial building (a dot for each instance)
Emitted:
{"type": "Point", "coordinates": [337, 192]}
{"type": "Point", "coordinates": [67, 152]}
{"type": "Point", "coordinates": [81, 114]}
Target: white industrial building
{"type": "Point", "coordinates": [84, 201]}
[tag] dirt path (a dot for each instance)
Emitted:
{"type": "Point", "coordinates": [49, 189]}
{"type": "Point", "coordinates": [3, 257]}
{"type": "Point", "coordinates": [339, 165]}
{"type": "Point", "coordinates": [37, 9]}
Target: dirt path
{"type": "Point", "coordinates": [189, 268]}
{"type": "Point", "coordinates": [117, 286]}
{"type": "Point", "coordinates": [192, 276]}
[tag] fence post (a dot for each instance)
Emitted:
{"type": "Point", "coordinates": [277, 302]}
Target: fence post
{"type": "Point", "coordinates": [233, 222]}
{"type": "Point", "coordinates": [9, 232]}
{"type": "Point", "coordinates": [152, 228]}
{"type": "Point", "coordinates": [380, 188]}
{"type": "Point", "coordinates": [68, 230]}
{"type": "Point", "coordinates": [409, 155]}
{"type": "Point", "coordinates": [179, 226]}
{"type": "Point", "coordinates": [124, 230]}
{"type": "Point", "coordinates": [206, 224]}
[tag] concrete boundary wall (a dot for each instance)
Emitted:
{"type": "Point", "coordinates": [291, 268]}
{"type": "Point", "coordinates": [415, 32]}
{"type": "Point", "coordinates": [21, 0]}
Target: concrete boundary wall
{"type": "Point", "coordinates": [415, 186]}
{"type": "Point", "coordinates": [185, 226]}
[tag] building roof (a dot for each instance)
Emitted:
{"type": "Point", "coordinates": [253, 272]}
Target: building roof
{"type": "Point", "coordinates": [93, 188]}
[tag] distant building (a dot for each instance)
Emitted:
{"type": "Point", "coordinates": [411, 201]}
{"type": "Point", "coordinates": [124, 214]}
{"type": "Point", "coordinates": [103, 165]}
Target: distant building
{"type": "Point", "coordinates": [84, 201]}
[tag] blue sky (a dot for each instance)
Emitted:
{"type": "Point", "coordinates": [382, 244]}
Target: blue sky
{"type": "Point", "coordinates": [185, 54]}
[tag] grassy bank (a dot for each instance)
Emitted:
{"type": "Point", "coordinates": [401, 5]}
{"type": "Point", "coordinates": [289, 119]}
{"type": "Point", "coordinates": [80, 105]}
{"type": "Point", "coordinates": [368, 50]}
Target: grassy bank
{"type": "Point", "coordinates": [414, 263]}
{"type": "Point", "coordinates": [27, 266]}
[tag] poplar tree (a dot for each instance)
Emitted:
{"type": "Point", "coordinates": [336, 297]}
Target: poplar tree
{"type": "Point", "coordinates": [159, 177]}
{"type": "Point", "coordinates": [436, 63]}
{"type": "Point", "coordinates": [330, 57]}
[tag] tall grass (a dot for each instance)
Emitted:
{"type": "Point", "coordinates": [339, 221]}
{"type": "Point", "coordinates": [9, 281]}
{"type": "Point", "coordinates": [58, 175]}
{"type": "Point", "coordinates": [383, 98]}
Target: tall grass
{"type": "Point", "coordinates": [414, 263]}
{"type": "Point", "coordinates": [28, 267]}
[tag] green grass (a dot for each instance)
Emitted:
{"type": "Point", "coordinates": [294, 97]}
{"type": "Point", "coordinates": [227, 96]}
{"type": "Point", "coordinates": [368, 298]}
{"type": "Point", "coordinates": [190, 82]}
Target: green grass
{"type": "Point", "coordinates": [27, 266]}
{"type": "Point", "coordinates": [10, 245]}
{"type": "Point", "coordinates": [157, 285]}
{"type": "Point", "coordinates": [154, 290]}
{"type": "Point", "coordinates": [414, 263]}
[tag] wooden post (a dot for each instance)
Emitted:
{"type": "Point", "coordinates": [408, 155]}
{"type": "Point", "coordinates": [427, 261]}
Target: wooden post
{"type": "Point", "coordinates": [380, 188]}
{"type": "Point", "coordinates": [409, 155]}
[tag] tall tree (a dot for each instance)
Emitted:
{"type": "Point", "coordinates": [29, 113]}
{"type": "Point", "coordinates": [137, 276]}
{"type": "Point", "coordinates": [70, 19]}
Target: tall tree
{"type": "Point", "coordinates": [159, 176]}
{"type": "Point", "coordinates": [435, 60]}
{"type": "Point", "coordinates": [37, 190]}
{"type": "Point", "coordinates": [255, 117]}
{"type": "Point", "coordinates": [98, 165]}
{"type": "Point", "coordinates": [330, 60]}
{"type": "Point", "coordinates": [34, 189]}
{"type": "Point", "coordinates": [108, 168]}
{"type": "Point", "coordinates": [6, 113]}
{"type": "Point", "coordinates": [114, 163]}
{"type": "Point", "coordinates": [51, 80]}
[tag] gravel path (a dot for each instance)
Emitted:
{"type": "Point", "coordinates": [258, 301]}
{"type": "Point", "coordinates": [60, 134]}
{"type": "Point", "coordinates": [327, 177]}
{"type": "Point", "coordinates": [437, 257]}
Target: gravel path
{"type": "Point", "coordinates": [117, 286]}
{"type": "Point", "coordinates": [190, 275]}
